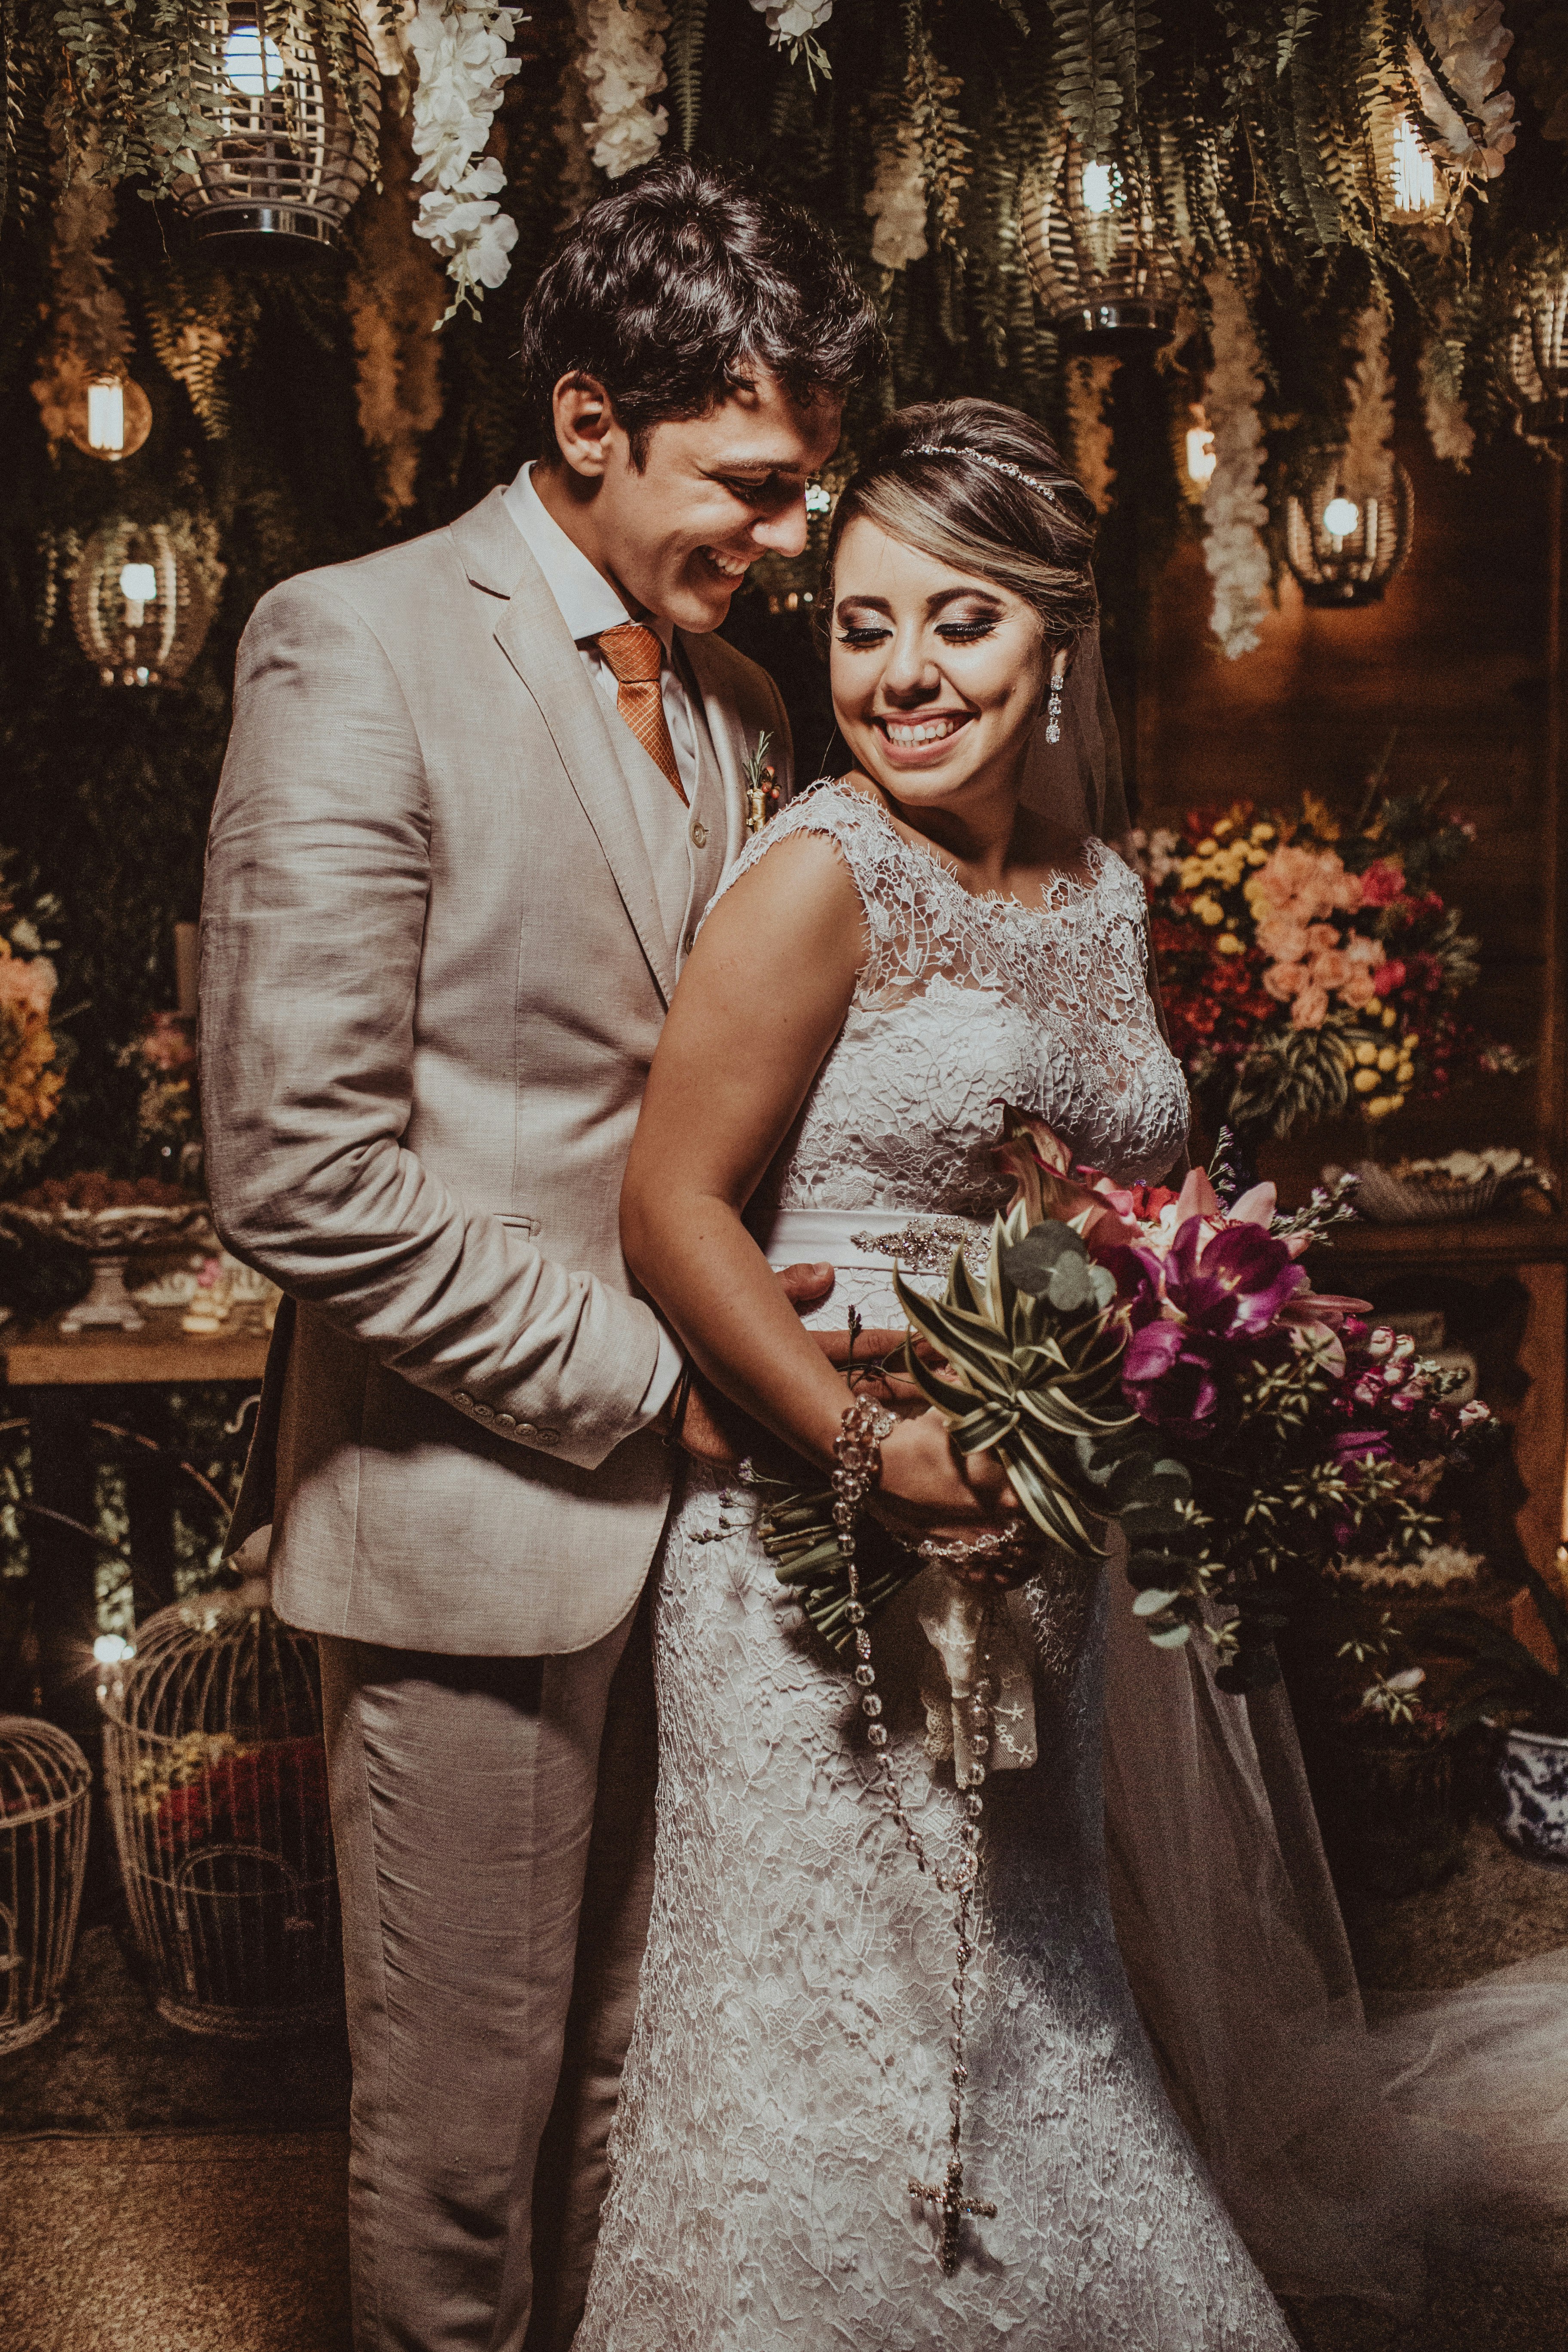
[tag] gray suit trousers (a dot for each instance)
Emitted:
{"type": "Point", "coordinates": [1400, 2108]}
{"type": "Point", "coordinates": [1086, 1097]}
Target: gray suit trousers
{"type": "Point", "coordinates": [494, 1827]}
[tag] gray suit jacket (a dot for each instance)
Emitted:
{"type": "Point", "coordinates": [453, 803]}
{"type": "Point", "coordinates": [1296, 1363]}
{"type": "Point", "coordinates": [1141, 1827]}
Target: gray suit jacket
{"type": "Point", "coordinates": [434, 971]}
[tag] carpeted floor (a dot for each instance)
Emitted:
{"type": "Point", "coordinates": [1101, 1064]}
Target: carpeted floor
{"type": "Point", "coordinates": [116, 2236]}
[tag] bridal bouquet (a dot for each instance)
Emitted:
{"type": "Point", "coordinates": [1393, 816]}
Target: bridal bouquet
{"type": "Point", "coordinates": [1306, 966]}
{"type": "Point", "coordinates": [1158, 1360]}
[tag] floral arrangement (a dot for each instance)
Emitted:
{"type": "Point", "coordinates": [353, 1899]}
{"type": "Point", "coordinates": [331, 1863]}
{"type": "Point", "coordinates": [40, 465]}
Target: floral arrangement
{"type": "Point", "coordinates": [1306, 966]}
{"type": "Point", "coordinates": [1159, 1360]}
{"type": "Point", "coordinates": [623, 67]}
{"type": "Point", "coordinates": [1456, 59]}
{"type": "Point", "coordinates": [34, 1055]}
{"type": "Point", "coordinates": [460, 51]}
{"type": "Point", "coordinates": [215, 1790]}
{"type": "Point", "coordinates": [1236, 509]}
{"type": "Point", "coordinates": [168, 1116]}
{"type": "Point", "coordinates": [794, 25]}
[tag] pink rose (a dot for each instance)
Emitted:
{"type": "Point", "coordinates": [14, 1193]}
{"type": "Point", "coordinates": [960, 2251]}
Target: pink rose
{"type": "Point", "coordinates": [1309, 1006]}
{"type": "Point", "coordinates": [1322, 935]}
{"type": "Point", "coordinates": [1343, 889]}
{"type": "Point", "coordinates": [1283, 940]}
{"type": "Point", "coordinates": [29, 986]}
{"type": "Point", "coordinates": [1388, 977]}
{"type": "Point", "coordinates": [1364, 952]}
{"type": "Point", "coordinates": [1330, 968]}
{"type": "Point", "coordinates": [1357, 990]}
{"type": "Point", "coordinates": [1285, 979]}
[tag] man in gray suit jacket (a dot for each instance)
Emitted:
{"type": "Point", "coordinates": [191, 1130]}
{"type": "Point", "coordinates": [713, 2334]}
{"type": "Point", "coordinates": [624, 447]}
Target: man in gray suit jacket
{"type": "Point", "coordinates": [480, 787]}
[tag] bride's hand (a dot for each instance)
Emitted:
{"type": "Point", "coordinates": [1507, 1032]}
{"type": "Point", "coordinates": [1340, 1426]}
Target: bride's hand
{"type": "Point", "coordinates": [926, 1483]}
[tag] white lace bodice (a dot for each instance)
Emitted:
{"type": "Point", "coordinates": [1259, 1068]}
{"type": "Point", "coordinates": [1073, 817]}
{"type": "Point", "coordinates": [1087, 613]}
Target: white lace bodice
{"type": "Point", "coordinates": [965, 1005]}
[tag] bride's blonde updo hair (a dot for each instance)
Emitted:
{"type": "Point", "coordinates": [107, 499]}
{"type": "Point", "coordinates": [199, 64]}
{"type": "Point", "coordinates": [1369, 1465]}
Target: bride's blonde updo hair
{"type": "Point", "coordinates": [960, 506]}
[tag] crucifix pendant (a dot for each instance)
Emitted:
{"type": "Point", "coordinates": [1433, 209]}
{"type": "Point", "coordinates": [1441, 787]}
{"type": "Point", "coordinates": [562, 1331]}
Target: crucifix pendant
{"type": "Point", "coordinates": [953, 2206]}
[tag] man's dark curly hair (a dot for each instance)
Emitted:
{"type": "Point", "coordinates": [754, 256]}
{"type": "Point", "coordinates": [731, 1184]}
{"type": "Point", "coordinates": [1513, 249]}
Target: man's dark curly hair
{"type": "Point", "coordinates": [676, 285]}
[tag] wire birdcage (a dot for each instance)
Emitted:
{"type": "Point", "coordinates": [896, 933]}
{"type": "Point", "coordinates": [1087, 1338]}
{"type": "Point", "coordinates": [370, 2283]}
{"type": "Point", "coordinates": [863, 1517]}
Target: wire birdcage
{"type": "Point", "coordinates": [1345, 548]}
{"type": "Point", "coordinates": [44, 1786]}
{"type": "Point", "coordinates": [1101, 261]}
{"type": "Point", "coordinates": [292, 156]}
{"type": "Point", "coordinates": [139, 604]}
{"type": "Point", "coordinates": [1536, 362]}
{"type": "Point", "coordinates": [216, 1777]}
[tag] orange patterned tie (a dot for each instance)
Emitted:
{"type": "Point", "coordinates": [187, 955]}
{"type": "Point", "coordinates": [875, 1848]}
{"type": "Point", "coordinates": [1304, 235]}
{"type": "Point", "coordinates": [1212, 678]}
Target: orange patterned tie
{"type": "Point", "coordinates": [636, 657]}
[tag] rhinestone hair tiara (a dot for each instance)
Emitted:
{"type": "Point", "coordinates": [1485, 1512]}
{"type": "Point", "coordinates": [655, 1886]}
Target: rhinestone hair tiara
{"type": "Point", "coordinates": [997, 464]}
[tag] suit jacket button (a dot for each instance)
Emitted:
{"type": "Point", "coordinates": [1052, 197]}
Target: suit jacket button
{"type": "Point", "coordinates": [527, 1428]}
{"type": "Point", "coordinates": [698, 833]}
{"type": "Point", "coordinates": [462, 1397]}
{"type": "Point", "coordinates": [506, 1421]}
{"type": "Point", "coordinates": [547, 1436]}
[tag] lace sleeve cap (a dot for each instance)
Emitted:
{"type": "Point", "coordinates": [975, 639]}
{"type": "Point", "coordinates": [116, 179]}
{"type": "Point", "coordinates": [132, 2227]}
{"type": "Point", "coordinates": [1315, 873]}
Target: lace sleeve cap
{"type": "Point", "coordinates": [856, 830]}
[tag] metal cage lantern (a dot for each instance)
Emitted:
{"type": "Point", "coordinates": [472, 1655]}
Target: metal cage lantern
{"type": "Point", "coordinates": [1101, 263]}
{"type": "Point", "coordinates": [292, 155]}
{"type": "Point", "coordinates": [1536, 361]}
{"type": "Point", "coordinates": [139, 604]}
{"type": "Point", "coordinates": [44, 1783]}
{"type": "Point", "coordinates": [217, 1790]}
{"type": "Point", "coordinates": [1345, 545]}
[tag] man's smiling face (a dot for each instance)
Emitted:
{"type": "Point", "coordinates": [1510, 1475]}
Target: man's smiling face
{"type": "Point", "coordinates": [677, 534]}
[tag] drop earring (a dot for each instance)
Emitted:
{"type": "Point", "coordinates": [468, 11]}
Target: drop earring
{"type": "Point", "coordinates": [1054, 707]}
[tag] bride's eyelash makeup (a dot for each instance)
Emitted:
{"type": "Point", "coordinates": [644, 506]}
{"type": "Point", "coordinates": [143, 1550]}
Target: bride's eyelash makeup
{"type": "Point", "coordinates": [953, 632]}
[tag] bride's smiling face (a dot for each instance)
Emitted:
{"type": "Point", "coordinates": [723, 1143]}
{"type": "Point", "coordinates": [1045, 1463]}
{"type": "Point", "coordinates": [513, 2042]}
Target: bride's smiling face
{"type": "Point", "coordinates": [938, 675]}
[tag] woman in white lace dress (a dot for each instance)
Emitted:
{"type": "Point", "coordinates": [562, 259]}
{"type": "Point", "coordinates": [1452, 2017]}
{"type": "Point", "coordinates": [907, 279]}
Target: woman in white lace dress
{"type": "Point", "coordinates": [900, 955]}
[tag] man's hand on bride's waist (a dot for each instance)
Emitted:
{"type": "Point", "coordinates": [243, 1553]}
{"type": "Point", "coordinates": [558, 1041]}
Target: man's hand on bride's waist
{"type": "Point", "coordinates": [710, 1429]}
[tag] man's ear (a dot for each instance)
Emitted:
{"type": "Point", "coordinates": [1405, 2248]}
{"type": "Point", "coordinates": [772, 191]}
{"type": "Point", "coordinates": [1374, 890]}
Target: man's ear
{"type": "Point", "coordinates": [584, 420]}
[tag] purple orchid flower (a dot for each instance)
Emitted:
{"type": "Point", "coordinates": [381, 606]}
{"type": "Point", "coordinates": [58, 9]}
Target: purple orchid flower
{"type": "Point", "coordinates": [1209, 1292]}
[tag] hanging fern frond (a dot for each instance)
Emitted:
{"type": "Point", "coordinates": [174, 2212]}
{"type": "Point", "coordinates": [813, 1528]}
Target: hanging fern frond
{"type": "Point", "coordinates": [683, 63]}
{"type": "Point", "coordinates": [1089, 89]}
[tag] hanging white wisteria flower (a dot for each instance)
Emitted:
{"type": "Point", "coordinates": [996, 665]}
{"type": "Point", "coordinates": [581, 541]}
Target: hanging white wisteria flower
{"type": "Point", "coordinates": [1089, 384]}
{"type": "Point", "coordinates": [1368, 467]}
{"type": "Point", "coordinates": [1456, 52]}
{"type": "Point", "coordinates": [794, 24]}
{"type": "Point", "coordinates": [897, 202]}
{"type": "Point", "coordinates": [1448, 428]}
{"type": "Point", "coordinates": [1235, 507]}
{"type": "Point", "coordinates": [623, 67]}
{"type": "Point", "coordinates": [460, 52]}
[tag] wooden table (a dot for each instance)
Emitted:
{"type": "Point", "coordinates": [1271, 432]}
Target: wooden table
{"type": "Point", "coordinates": [1502, 1284]}
{"type": "Point", "coordinates": [61, 1386]}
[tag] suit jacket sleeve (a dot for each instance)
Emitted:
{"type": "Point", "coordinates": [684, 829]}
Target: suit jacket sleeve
{"type": "Point", "coordinates": [313, 919]}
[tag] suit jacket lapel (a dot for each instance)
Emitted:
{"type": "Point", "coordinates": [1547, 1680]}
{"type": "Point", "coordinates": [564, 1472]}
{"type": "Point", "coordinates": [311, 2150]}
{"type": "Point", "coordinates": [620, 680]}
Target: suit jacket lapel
{"type": "Point", "coordinates": [532, 636]}
{"type": "Point", "coordinates": [730, 747]}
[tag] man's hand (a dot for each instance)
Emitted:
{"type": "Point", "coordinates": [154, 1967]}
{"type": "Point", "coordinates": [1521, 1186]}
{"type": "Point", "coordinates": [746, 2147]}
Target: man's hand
{"type": "Point", "coordinates": [713, 1430]}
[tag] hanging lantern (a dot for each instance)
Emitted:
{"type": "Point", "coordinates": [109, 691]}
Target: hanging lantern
{"type": "Point", "coordinates": [110, 418]}
{"type": "Point", "coordinates": [292, 157]}
{"type": "Point", "coordinates": [1344, 549]}
{"type": "Point", "coordinates": [1100, 262]}
{"type": "Point", "coordinates": [140, 602]}
{"type": "Point", "coordinates": [45, 1784]}
{"type": "Point", "coordinates": [1535, 368]}
{"type": "Point", "coordinates": [217, 1780]}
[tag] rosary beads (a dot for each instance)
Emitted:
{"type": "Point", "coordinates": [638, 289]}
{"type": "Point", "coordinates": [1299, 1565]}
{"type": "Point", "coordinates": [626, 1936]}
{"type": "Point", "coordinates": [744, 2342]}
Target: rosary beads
{"type": "Point", "coordinates": [857, 1459]}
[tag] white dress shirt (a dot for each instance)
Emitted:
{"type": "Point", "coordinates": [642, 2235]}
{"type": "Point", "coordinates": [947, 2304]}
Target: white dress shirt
{"type": "Point", "coordinates": [589, 605]}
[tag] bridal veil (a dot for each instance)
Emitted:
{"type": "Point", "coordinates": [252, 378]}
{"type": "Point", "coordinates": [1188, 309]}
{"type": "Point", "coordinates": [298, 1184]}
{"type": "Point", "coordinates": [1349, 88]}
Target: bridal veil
{"type": "Point", "coordinates": [1344, 2151]}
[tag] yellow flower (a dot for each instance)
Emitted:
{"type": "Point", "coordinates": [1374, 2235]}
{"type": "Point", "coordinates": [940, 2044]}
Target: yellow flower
{"type": "Point", "coordinates": [1387, 1058]}
{"type": "Point", "coordinates": [1208, 910]}
{"type": "Point", "coordinates": [1381, 1104]}
{"type": "Point", "coordinates": [1229, 944]}
{"type": "Point", "coordinates": [1373, 1004]}
{"type": "Point", "coordinates": [1395, 1102]}
{"type": "Point", "coordinates": [1404, 1074]}
{"type": "Point", "coordinates": [1207, 848]}
{"type": "Point", "coordinates": [1389, 1016]}
{"type": "Point", "coordinates": [1365, 1081]}
{"type": "Point", "coordinates": [1261, 833]}
{"type": "Point", "coordinates": [1193, 872]}
{"type": "Point", "coordinates": [1223, 827]}
{"type": "Point", "coordinates": [1317, 813]}
{"type": "Point", "coordinates": [1258, 857]}
{"type": "Point", "coordinates": [1366, 1054]}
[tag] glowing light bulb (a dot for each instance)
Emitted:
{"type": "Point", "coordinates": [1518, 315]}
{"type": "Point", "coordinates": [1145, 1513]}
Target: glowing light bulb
{"type": "Point", "coordinates": [112, 1650]}
{"type": "Point", "coordinates": [106, 416]}
{"type": "Point", "coordinates": [138, 583]}
{"type": "Point", "coordinates": [1201, 458]}
{"type": "Point", "coordinates": [1414, 174]}
{"type": "Point", "coordinates": [253, 63]}
{"type": "Point", "coordinates": [1097, 188]}
{"type": "Point", "coordinates": [1340, 517]}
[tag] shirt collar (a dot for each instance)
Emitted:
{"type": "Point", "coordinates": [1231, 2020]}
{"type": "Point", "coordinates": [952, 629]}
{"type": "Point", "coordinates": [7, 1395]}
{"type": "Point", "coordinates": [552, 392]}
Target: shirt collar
{"type": "Point", "coordinates": [588, 603]}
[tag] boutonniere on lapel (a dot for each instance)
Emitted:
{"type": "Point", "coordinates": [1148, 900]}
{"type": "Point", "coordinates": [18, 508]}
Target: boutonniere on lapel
{"type": "Point", "coordinates": [761, 787]}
